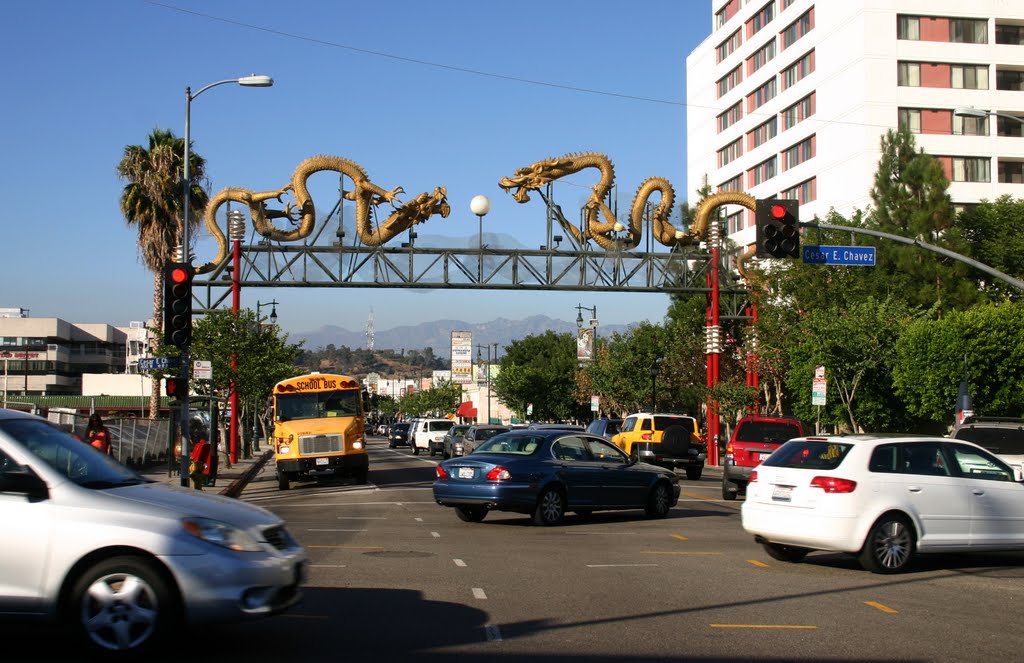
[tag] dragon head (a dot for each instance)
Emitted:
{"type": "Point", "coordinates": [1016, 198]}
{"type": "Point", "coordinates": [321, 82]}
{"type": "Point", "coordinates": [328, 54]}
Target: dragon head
{"type": "Point", "coordinates": [425, 205]}
{"type": "Point", "coordinates": [533, 177]}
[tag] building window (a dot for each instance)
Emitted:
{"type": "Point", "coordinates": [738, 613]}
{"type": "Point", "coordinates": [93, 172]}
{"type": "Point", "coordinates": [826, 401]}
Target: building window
{"type": "Point", "coordinates": [786, 4]}
{"type": "Point", "coordinates": [972, 169]}
{"type": "Point", "coordinates": [1006, 126]}
{"type": "Point", "coordinates": [729, 81]}
{"type": "Point", "coordinates": [908, 27]}
{"type": "Point", "coordinates": [1012, 35]}
{"type": "Point", "coordinates": [908, 74]}
{"type": "Point", "coordinates": [968, 31]}
{"type": "Point", "coordinates": [730, 152]}
{"type": "Point", "coordinates": [799, 153]}
{"type": "Point", "coordinates": [763, 133]}
{"type": "Point", "coordinates": [762, 95]}
{"type": "Point", "coordinates": [761, 57]}
{"type": "Point", "coordinates": [970, 126]}
{"type": "Point", "coordinates": [798, 112]}
{"type": "Point", "coordinates": [733, 184]}
{"type": "Point", "coordinates": [730, 117]}
{"type": "Point", "coordinates": [761, 19]}
{"type": "Point", "coordinates": [1011, 172]}
{"type": "Point", "coordinates": [734, 223]}
{"type": "Point", "coordinates": [797, 71]}
{"type": "Point", "coordinates": [968, 76]}
{"type": "Point", "coordinates": [798, 28]}
{"type": "Point", "coordinates": [804, 192]}
{"type": "Point", "coordinates": [910, 118]}
{"type": "Point", "coordinates": [763, 171]}
{"type": "Point", "coordinates": [725, 13]}
{"type": "Point", "coordinates": [1009, 79]}
{"type": "Point", "coordinates": [726, 48]}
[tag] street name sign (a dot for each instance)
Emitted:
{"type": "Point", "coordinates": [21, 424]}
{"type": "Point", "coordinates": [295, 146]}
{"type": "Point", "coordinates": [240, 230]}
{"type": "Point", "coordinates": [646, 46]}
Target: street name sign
{"type": "Point", "coordinates": [158, 363]}
{"type": "Point", "coordinates": [863, 256]}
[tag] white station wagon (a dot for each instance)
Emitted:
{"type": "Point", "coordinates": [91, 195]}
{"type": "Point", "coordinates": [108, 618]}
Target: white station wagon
{"type": "Point", "coordinates": [884, 499]}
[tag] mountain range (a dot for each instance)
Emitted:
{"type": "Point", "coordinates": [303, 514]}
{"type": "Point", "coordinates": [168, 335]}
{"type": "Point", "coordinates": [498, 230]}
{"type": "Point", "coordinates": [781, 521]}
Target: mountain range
{"type": "Point", "coordinates": [437, 334]}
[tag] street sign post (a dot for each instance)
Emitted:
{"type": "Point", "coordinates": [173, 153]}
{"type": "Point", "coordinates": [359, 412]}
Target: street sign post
{"type": "Point", "coordinates": [158, 363]}
{"type": "Point", "coordinates": [202, 370]}
{"type": "Point", "coordinates": [858, 256]}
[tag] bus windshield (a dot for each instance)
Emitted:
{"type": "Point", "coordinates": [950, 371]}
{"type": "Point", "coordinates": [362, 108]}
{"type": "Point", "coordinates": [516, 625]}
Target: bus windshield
{"type": "Point", "coordinates": [317, 405]}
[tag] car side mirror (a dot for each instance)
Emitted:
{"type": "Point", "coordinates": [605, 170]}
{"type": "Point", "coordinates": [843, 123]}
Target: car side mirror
{"type": "Point", "coordinates": [22, 480]}
{"type": "Point", "coordinates": [632, 460]}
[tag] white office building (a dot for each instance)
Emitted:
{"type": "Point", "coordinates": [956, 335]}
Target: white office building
{"type": "Point", "coordinates": [790, 98]}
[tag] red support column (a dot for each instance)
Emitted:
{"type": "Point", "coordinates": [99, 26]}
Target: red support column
{"type": "Point", "coordinates": [236, 255]}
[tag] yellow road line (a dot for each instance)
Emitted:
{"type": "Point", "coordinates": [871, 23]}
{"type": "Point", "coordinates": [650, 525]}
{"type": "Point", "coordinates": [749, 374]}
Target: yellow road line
{"type": "Point", "coordinates": [694, 496]}
{"type": "Point", "coordinates": [797, 626]}
{"type": "Point", "coordinates": [668, 552]}
{"type": "Point", "coordinates": [757, 563]}
{"type": "Point", "coordinates": [883, 608]}
{"type": "Point", "coordinates": [680, 537]}
{"type": "Point", "coordinates": [350, 547]}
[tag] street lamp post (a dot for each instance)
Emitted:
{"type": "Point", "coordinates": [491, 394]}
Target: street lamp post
{"type": "Point", "coordinates": [186, 253]}
{"type": "Point", "coordinates": [273, 311]}
{"type": "Point", "coordinates": [480, 205]}
{"type": "Point", "coordinates": [655, 370]}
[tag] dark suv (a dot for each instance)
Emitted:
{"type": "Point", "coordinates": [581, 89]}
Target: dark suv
{"type": "Point", "coordinates": [1003, 436]}
{"type": "Point", "coordinates": [398, 435]}
{"type": "Point", "coordinates": [605, 427]}
{"type": "Point", "coordinates": [753, 440]}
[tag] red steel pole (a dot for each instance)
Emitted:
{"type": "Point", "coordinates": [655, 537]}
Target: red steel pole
{"type": "Point", "coordinates": [236, 254]}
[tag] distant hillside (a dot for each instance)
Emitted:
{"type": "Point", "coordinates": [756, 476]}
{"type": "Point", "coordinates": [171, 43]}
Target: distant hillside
{"type": "Point", "coordinates": [437, 334]}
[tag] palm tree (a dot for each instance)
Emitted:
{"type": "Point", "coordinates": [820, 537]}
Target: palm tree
{"type": "Point", "coordinates": [152, 203]}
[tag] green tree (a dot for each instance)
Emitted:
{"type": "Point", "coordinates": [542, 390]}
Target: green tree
{"type": "Point", "coordinates": [931, 355]}
{"type": "Point", "coordinates": [994, 232]}
{"type": "Point", "coordinates": [540, 369]}
{"type": "Point", "coordinates": [152, 203]}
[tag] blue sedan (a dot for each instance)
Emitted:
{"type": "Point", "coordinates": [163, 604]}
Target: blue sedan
{"type": "Point", "coordinates": [545, 473]}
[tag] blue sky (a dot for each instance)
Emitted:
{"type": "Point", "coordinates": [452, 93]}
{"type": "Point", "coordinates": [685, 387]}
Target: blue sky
{"type": "Point", "coordinates": [388, 84]}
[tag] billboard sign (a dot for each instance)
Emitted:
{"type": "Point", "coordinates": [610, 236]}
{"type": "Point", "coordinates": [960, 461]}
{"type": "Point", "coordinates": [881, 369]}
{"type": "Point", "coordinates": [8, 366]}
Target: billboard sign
{"type": "Point", "coordinates": [462, 357]}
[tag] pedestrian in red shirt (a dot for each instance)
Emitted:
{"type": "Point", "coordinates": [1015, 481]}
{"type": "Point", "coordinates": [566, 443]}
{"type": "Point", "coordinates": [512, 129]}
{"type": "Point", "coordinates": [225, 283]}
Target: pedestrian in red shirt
{"type": "Point", "coordinates": [98, 435]}
{"type": "Point", "coordinates": [199, 468]}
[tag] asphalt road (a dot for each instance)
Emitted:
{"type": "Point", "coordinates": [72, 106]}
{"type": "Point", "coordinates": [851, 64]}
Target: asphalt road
{"type": "Point", "coordinates": [396, 577]}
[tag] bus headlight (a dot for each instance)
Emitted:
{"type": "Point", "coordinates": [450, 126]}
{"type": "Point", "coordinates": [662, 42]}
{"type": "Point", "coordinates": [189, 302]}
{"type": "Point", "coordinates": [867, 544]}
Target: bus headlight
{"type": "Point", "coordinates": [284, 449]}
{"type": "Point", "coordinates": [358, 444]}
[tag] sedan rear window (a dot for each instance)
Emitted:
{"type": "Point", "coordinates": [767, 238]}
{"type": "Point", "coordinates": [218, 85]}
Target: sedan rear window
{"type": "Point", "coordinates": [507, 444]}
{"type": "Point", "coordinates": [809, 454]}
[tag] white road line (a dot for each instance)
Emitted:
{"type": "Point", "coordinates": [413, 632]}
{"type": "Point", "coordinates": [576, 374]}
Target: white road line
{"type": "Point", "coordinates": [435, 535]}
{"type": "Point", "coordinates": [493, 633]}
{"type": "Point", "coordinates": [335, 530]}
{"type": "Point", "coordinates": [459, 562]}
{"type": "Point", "coordinates": [605, 566]}
{"type": "Point", "coordinates": [419, 520]}
{"type": "Point", "coordinates": [479, 593]}
{"type": "Point", "coordinates": [327, 566]}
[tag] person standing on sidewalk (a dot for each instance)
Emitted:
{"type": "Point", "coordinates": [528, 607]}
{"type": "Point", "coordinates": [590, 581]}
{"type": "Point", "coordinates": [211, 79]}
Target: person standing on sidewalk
{"type": "Point", "coordinates": [97, 435]}
{"type": "Point", "coordinates": [199, 468]}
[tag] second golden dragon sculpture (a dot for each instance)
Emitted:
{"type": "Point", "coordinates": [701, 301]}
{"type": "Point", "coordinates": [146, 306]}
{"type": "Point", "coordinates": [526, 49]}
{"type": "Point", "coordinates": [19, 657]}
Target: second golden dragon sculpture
{"type": "Point", "coordinates": [364, 193]}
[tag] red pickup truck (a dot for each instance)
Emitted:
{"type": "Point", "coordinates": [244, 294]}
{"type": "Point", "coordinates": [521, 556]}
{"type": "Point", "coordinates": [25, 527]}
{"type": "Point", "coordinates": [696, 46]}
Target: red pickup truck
{"type": "Point", "coordinates": [753, 440]}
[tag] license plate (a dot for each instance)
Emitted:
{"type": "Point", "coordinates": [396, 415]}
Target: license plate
{"type": "Point", "coordinates": [322, 461]}
{"type": "Point", "coordinates": [465, 472]}
{"type": "Point", "coordinates": [782, 493]}
{"type": "Point", "coordinates": [764, 456]}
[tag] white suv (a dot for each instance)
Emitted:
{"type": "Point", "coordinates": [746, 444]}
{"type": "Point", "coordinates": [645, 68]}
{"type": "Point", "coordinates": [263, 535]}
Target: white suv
{"type": "Point", "coordinates": [425, 431]}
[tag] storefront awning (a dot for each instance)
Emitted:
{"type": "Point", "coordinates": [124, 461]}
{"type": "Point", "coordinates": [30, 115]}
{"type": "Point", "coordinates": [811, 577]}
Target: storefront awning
{"type": "Point", "coordinates": [466, 410]}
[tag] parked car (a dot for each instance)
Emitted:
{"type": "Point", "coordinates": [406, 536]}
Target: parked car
{"type": "Point", "coordinates": [669, 440]}
{"type": "Point", "coordinates": [398, 435]}
{"type": "Point", "coordinates": [126, 564]}
{"type": "Point", "coordinates": [426, 431]}
{"type": "Point", "coordinates": [884, 499]}
{"type": "Point", "coordinates": [605, 427]}
{"type": "Point", "coordinates": [1003, 436]}
{"type": "Point", "coordinates": [753, 440]}
{"type": "Point", "coordinates": [478, 434]}
{"type": "Point", "coordinates": [555, 427]}
{"type": "Point", "coordinates": [452, 442]}
{"type": "Point", "coordinates": [545, 473]}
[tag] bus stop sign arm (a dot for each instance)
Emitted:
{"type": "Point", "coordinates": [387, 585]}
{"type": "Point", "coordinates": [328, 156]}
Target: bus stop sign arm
{"type": "Point", "coordinates": [1016, 283]}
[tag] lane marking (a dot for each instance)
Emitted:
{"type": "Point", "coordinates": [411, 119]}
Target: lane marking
{"type": "Point", "coordinates": [349, 547]}
{"type": "Point", "coordinates": [419, 520]}
{"type": "Point", "coordinates": [335, 530]}
{"type": "Point", "coordinates": [780, 626]}
{"type": "Point", "coordinates": [435, 535]}
{"type": "Point", "coordinates": [363, 518]}
{"type": "Point", "coordinates": [327, 566]}
{"type": "Point", "coordinates": [606, 566]}
{"type": "Point", "coordinates": [493, 633]}
{"type": "Point", "coordinates": [757, 563]}
{"type": "Point", "coordinates": [479, 593]}
{"type": "Point", "coordinates": [680, 537]}
{"type": "Point", "coordinates": [459, 562]}
{"type": "Point", "coordinates": [668, 552]}
{"type": "Point", "coordinates": [879, 606]}
{"type": "Point", "coordinates": [692, 496]}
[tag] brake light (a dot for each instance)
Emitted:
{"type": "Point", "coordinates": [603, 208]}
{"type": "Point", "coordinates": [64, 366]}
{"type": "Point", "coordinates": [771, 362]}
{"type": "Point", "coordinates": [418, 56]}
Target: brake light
{"type": "Point", "coordinates": [833, 484]}
{"type": "Point", "coordinates": [646, 436]}
{"type": "Point", "coordinates": [753, 477]}
{"type": "Point", "coordinates": [499, 473]}
{"type": "Point", "coordinates": [728, 449]}
{"type": "Point", "coordinates": [441, 474]}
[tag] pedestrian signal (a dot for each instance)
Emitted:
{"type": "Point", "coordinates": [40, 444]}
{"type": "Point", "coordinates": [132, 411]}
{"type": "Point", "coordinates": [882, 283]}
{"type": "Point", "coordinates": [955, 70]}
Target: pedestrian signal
{"type": "Point", "coordinates": [778, 228]}
{"type": "Point", "coordinates": [176, 388]}
{"type": "Point", "coordinates": [178, 304]}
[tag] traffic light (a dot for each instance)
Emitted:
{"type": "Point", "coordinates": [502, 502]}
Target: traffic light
{"type": "Point", "coordinates": [778, 228]}
{"type": "Point", "coordinates": [178, 303]}
{"type": "Point", "coordinates": [176, 388]}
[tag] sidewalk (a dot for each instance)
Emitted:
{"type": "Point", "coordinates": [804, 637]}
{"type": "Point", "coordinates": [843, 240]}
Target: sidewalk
{"type": "Point", "coordinates": [230, 482]}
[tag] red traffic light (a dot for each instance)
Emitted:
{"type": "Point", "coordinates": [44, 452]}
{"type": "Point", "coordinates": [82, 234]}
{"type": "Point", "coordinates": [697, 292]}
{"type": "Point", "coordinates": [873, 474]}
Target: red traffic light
{"type": "Point", "coordinates": [778, 212]}
{"type": "Point", "coordinates": [179, 275]}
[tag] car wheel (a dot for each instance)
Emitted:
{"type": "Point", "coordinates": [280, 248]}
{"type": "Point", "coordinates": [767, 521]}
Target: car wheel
{"type": "Point", "coordinates": [550, 507]}
{"type": "Point", "coordinates": [889, 547]}
{"type": "Point", "coordinates": [659, 501]}
{"type": "Point", "coordinates": [415, 450]}
{"type": "Point", "coordinates": [431, 447]}
{"type": "Point", "coordinates": [391, 445]}
{"type": "Point", "coordinates": [282, 481]}
{"type": "Point", "coordinates": [471, 514]}
{"type": "Point", "coordinates": [693, 473]}
{"type": "Point", "coordinates": [785, 553]}
{"type": "Point", "coordinates": [445, 454]}
{"type": "Point", "coordinates": [123, 604]}
{"type": "Point", "coordinates": [729, 490]}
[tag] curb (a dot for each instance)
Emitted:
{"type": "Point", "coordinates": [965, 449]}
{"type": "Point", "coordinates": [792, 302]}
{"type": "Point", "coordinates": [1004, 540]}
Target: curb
{"type": "Point", "coordinates": [235, 488]}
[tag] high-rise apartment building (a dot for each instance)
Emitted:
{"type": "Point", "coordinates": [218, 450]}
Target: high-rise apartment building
{"type": "Point", "coordinates": [790, 98]}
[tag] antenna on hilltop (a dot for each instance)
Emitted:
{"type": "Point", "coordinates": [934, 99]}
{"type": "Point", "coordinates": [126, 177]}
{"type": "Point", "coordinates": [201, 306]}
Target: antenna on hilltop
{"type": "Point", "coordinates": [369, 331]}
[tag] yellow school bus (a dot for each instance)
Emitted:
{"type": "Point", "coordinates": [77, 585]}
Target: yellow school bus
{"type": "Point", "coordinates": [318, 428]}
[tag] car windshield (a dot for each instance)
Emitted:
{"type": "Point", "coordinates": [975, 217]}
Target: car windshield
{"type": "Point", "coordinates": [1003, 441]}
{"type": "Point", "coordinates": [316, 405]}
{"type": "Point", "coordinates": [766, 431]}
{"type": "Point", "coordinates": [809, 454]}
{"type": "Point", "coordinates": [402, 428]}
{"type": "Point", "coordinates": [521, 445]}
{"type": "Point", "coordinates": [69, 456]}
{"type": "Point", "coordinates": [487, 433]}
{"type": "Point", "coordinates": [458, 432]}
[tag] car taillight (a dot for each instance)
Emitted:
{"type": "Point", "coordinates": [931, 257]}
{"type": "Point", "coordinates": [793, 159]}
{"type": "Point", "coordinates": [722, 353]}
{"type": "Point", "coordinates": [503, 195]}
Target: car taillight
{"type": "Point", "coordinates": [441, 474]}
{"type": "Point", "coordinates": [729, 449]}
{"type": "Point", "coordinates": [499, 473]}
{"type": "Point", "coordinates": [833, 484]}
{"type": "Point", "coordinates": [646, 436]}
{"type": "Point", "coordinates": [753, 477]}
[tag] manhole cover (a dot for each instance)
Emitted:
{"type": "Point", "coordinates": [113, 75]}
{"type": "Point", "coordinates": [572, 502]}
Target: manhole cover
{"type": "Point", "coordinates": [399, 553]}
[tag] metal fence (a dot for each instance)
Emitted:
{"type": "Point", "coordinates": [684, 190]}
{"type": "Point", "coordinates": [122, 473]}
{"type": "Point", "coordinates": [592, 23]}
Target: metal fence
{"type": "Point", "coordinates": [136, 442]}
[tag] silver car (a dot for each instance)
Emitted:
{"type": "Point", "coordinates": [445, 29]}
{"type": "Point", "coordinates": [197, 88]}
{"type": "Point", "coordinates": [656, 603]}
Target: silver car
{"type": "Point", "coordinates": [123, 562]}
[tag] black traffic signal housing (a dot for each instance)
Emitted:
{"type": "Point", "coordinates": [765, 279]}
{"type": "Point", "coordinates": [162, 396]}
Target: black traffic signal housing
{"type": "Point", "coordinates": [176, 388]}
{"type": "Point", "coordinates": [178, 304]}
{"type": "Point", "coordinates": [778, 228]}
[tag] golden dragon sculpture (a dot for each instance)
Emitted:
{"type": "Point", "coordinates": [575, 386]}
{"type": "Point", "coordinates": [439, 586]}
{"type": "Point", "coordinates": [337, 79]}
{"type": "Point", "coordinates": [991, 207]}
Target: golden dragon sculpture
{"type": "Point", "coordinates": [600, 223]}
{"type": "Point", "coordinates": [365, 194]}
